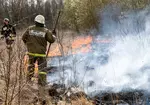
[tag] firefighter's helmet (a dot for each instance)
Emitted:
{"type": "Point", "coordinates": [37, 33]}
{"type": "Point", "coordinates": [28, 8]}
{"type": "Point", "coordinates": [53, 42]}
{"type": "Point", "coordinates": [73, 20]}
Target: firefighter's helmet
{"type": "Point", "coordinates": [6, 20]}
{"type": "Point", "coordinates": [40, 19]}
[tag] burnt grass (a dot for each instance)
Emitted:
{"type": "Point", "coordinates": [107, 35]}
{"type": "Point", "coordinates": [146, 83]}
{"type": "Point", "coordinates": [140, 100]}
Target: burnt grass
{"type": "Point", "coordinates": [123, 98]}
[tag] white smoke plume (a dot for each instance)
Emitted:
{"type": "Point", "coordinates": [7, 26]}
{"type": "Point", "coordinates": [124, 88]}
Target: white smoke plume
{"type": "Point", "coordinates": [122, 64]}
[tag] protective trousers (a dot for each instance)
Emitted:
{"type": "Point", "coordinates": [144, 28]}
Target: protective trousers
{"type": "Point", "coordinates": [41, 64]}
{"type": "Point", "coordinates": [41, 75]}
{"type": "Point", "coordinates": [9, 41]}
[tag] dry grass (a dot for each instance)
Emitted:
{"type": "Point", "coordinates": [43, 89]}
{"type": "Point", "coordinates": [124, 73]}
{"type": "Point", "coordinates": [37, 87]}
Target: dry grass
{"type": "Point", "coordinates": [79, 101]}
{"type": "Point", "coordinates": [13, 86]}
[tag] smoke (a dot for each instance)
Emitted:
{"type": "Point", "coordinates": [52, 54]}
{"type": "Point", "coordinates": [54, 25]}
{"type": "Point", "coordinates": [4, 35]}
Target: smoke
{"type": "Point", "coordinates": [122, 64]}
{"type": "Point", "coordinates": [115, 22]}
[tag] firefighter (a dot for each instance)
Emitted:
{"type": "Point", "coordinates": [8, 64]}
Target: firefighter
{"type": "Point", "coordinates": [35, 39]}
{"type": "Point", "coordinates": [8, 32]}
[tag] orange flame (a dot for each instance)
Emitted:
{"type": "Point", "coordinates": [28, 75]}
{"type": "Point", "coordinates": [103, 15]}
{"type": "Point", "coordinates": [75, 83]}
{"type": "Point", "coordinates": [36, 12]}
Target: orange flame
{"type": "Point", "coordinates": [82, 45]}
{"type": "Point", "coordinates": [55, 52]}
{"type": "Point", "coordinates": [79, 45]}
{"type": "Point", "coordinates": [81, 41]}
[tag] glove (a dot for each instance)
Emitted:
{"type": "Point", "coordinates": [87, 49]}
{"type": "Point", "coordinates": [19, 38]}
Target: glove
{"type": "Point", "coordinates": [12, 35]}
{"type": "Point", "coordinates": [54, 32]}
{"type": "Point", "coordinates": [10, 38]}
{"type": "Point", "coordinates": [54, 36]}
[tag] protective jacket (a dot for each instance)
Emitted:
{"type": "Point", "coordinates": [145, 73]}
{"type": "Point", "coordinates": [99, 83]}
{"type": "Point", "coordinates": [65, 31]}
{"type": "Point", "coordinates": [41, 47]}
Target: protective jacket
{"type": "Point", "coordinates": [8, 30]}
{"type": "Point", "coordinates": [36, 39]}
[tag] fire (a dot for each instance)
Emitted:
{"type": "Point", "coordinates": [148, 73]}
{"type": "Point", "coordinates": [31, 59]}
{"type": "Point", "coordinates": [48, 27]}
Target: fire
{"type": "Point", "coordinates": [79, 45]}
{"type": "Point", "coordinates": [81, 41]}
{"type": "Point", "coordinates": [82, 45]}
{"type": "Point", "coordinates": [55, 52]}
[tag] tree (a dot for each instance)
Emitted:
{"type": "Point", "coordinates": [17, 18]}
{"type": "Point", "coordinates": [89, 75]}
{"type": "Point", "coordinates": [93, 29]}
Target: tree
{"type": "Point", "coordinates": [48, 14]}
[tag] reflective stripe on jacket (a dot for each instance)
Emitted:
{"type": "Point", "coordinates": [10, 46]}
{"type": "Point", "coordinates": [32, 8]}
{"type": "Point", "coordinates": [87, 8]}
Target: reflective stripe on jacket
{"type": "Point", "coordinates": [36, 55]}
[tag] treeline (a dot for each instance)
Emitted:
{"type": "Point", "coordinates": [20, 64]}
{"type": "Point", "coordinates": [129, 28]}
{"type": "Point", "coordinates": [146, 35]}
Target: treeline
{"type": "Point", "coordinates": [78, 15]}
{"type": "Point", "coordinates": [23, 12]}
{"type": "Point", "coordinates": [84, 14]}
